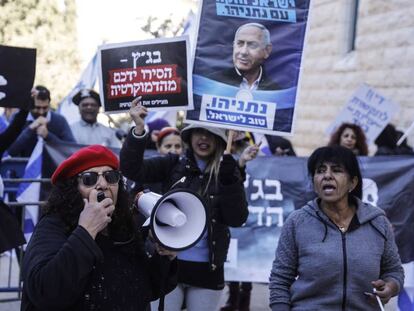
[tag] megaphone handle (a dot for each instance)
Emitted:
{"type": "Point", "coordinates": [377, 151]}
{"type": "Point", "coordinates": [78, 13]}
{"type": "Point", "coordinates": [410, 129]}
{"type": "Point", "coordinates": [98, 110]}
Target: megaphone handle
{"type": "Point", "coordinates": [229, 141]}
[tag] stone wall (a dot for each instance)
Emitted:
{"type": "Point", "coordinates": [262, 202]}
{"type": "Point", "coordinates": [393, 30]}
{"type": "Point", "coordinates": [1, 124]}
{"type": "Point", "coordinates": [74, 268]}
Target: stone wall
{"type": "Point", "coordinates": [383, 58]}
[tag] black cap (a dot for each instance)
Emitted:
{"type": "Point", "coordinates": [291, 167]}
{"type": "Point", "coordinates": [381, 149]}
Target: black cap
{"type": "Point", "coordinates": [42, 92]}
{"type": "Point", "coordinates": [82, 94]}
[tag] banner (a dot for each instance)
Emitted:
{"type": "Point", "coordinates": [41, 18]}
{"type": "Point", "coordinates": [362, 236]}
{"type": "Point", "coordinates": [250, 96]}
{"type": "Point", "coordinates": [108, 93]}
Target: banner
{"type": "Point", "coordinates": [17, 73]}
{"type": "Point", "coordinates": [275, 186]}
{"type": "Point", "coordinates": [247, 64]}
{"type": "Point", "coordinates": [157, 70]}
{"type": "Point", "coordinates": [368, 109]}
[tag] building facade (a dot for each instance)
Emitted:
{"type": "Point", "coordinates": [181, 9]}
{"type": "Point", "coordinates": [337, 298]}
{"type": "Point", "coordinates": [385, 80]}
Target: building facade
{"type": "Point", "coordinates": [350, 42]}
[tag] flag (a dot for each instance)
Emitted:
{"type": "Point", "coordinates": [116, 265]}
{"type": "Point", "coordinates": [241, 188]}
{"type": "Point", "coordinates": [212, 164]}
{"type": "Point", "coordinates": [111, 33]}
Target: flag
{"type": "Point", "coordinates": [190, 28]}
{"type": "Point", "coordinates": [87, 81]}
{"type": "Point", "coordinates": [406, 296]}
{"type": "Point", "coordinates": [264, 145]}
{"type": "Point", "coordinates": [29, 192]}
{"type": "Point", "coordinates": [169, 116]}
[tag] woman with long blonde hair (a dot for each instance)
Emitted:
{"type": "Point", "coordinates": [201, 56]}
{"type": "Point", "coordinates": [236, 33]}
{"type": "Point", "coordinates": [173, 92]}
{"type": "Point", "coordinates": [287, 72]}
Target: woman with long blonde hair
{"type": "Point", "coordinates": [214, 174]}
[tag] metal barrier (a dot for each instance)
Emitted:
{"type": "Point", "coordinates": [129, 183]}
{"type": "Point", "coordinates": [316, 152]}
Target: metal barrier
{"type": "Point", "coordinates": [10, 272]}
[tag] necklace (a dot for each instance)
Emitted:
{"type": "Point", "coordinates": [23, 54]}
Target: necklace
{"type": "Point", "coordinates": [342, 229]}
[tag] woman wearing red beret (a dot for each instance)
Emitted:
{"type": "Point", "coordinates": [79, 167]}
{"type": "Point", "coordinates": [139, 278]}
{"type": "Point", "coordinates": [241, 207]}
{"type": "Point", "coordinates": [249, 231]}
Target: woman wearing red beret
{"type": "Point", "coordinates": [86, 253]}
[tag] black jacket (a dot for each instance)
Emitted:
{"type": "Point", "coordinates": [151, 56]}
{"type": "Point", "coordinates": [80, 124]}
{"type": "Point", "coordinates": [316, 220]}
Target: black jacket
{"type": "Point", "coordinates": [74, 272]}
{"type": "Point", "coordinates": [226, 204]}
{"type": "Point", "coordinates": [231, 77]}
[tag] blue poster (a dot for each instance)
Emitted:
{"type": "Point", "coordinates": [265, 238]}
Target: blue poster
{"type": "Point", "coordinates": [247, 64]}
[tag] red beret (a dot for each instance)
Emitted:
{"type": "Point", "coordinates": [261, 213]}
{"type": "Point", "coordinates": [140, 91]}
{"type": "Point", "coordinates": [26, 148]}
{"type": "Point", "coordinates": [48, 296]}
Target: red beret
{"type": "Point", "coordinates": [83, 159]}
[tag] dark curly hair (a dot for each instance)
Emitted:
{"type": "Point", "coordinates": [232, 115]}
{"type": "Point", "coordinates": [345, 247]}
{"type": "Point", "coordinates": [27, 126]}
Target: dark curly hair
{"type": "Point", "coordinates": [66, 201]}
{"type": "Point", "coordinates": [361, 142]}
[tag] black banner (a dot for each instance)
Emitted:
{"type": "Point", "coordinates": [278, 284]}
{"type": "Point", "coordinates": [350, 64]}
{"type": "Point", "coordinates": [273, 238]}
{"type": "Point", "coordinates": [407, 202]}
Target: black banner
{"type": "Point", "coordinates": [17, 73]}
{"type": "Point", "coordinates": [275, 186]}
{"type": "Point", "coordinates": [157, 70]}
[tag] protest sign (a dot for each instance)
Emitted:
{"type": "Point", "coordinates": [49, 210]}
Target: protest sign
{"type": "Point", "coordinates": [157, 70]}
{"type": "Point", "coordinates": [247, 64]}
{"type": "Point", "coordinates": [17, 73]}
{"type": "Point", "coordinates": [368, 109]}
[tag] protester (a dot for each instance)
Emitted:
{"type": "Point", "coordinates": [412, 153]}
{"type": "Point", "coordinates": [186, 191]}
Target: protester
{"type": "Point", "coordinates": [280, 146]}
{"type": "Point", "coordinates": [216, 177]}
{"type": "Point", "coordinates": [41, 122]}
{"type": "Point", "coordinates": [169, 141]}
{"type": "Point", "coordinates": [154, 127]}
{"type": "Point", "coordinates": [11, 236]}
{"type": "Point", "coordinates": [86, 253]}
{"type": "Point", "coordinates": [336, 249]}
{"type": "Point", "coordinates": [88, 130]}
{"type": "Point", "coordinates": [387, 143]}
{"type": "Point", "coordinates": [350, 136]}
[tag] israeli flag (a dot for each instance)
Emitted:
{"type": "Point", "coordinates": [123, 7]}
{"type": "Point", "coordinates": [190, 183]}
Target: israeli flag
{"type": "Point", "coordinates": [29, 192]}
{"type": "Point", "coordinates": [264, 145]}
{"type": "Point", "coordinates": [87, 81]}
{"type": "Point", "coordinates": [406, 297]}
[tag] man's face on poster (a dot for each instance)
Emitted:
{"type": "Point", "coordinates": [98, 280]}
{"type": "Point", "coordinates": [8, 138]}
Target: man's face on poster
{"type": "Point", "coordinates": [250, 49]}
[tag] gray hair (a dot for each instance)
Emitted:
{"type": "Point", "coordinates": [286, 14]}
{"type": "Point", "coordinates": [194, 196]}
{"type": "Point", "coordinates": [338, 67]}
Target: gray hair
{"type": "Point", "coordinates": [265, 32]}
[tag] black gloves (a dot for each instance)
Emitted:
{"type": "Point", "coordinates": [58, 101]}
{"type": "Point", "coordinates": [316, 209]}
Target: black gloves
{"type": "Point", "coordinates": [227, 173]}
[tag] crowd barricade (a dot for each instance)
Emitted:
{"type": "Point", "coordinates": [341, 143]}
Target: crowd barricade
{"type": "Point", "coordinates": [12, 170]}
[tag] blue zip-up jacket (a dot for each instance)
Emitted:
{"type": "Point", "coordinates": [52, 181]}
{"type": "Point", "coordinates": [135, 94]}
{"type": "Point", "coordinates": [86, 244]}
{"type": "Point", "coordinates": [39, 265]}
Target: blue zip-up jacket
{"type": "Point", "coordinates": [317, 267]}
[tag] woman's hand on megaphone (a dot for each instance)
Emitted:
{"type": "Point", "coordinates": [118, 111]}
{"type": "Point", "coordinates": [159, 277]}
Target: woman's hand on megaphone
{"type": "Point", "coordinates": [161, 250]}
{"type": "Point", "coordinates": [138, 114]}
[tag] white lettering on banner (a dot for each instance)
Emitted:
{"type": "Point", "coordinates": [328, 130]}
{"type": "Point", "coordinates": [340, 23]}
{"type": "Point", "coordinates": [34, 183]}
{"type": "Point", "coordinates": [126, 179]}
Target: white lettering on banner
{"type": "Point", "coordinates": [234, 111]}
{"type": "Point", "coordinates": [269, 190]}
{"type": "Point", "coordinates": [269, 183]}
{"type": "Point", "coordinates": [267, 214]}
{"type": "Point", "coordinates": [152, 57]}
{"type": "Point", "coordinates": [122, 76]}
{"type": "Point", "coordinates": [143, 87]}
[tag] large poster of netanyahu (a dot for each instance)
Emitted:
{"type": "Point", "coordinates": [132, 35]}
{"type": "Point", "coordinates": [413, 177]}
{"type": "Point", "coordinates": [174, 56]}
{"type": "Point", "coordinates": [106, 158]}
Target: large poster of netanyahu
{"type": "Point", "coordinates": [157, 70]}
{"type": "Point", "coordinates": [247, 64]}
{"type": "Point", "coordinates": [17, 74]}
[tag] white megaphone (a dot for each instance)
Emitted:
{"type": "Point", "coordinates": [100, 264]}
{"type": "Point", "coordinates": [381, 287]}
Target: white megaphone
{"type": "Point", "coordinates": [178, 219]}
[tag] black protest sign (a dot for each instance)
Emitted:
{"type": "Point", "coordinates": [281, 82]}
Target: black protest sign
{"type": "Point", "coordinates": [157, 70]}
{"type": "Point", "coordinates": [17, 73]}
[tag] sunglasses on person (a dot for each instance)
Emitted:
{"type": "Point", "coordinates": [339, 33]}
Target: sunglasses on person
{"type": "Point", "coordinates": [89, 179]}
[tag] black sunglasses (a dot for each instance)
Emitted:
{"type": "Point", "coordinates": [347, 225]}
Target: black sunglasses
{"type": "Point", "coordinates": [89, 179]}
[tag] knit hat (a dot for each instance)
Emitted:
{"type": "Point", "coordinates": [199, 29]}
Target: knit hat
{"type": "Point", "coordinates": [157, 124]}
{"type": "Point", "coordinates": [85, 93]}
{"type": "Point", "coordinates": [186, 132]}
{"type": "Point", "coordinates": [83, 159]}
{"type": "Point", "coordinates": [167, 131]}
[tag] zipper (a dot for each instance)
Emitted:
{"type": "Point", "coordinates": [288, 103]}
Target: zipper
{"type": "Point", "coordinates": [344, 293]}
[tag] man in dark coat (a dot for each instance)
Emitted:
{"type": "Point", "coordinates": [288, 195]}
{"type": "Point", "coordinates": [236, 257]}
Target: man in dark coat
{"type": "Point", "coordinates": [42, 122]}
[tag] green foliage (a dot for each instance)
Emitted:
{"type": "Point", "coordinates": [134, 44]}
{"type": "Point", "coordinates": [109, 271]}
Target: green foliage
{"type": "Point", "coordinates": [161, 29]}
{"type": "Point", "coordinates": [50, 27]}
